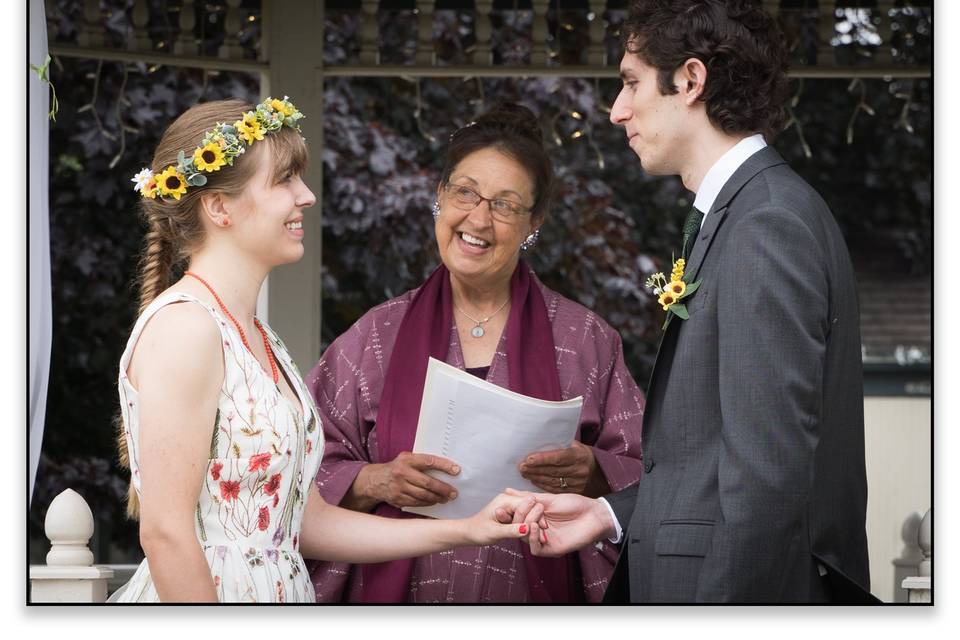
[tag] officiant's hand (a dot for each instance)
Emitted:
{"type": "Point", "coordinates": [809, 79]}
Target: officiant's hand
{"type": "Point", "coordinates": [403, 482]}
{"type": "Point", "coordinates": [570, 470]}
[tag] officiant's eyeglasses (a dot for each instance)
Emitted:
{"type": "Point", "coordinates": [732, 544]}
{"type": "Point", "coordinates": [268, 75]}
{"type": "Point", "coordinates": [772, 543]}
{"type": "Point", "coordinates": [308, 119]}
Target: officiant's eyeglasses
{"type": "Point", "coordinates": [465, 199]}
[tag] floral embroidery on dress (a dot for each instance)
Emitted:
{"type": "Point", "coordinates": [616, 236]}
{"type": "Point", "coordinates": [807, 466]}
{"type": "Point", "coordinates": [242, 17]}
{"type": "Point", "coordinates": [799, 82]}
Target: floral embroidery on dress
{"type": "Point", "coordinates": [264, 453]}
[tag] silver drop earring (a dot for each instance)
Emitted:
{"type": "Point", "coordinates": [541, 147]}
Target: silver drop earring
{"type": "Point", "coordinates": [530, 241]}
{"type": "Point", "coordinates": [436, 210]}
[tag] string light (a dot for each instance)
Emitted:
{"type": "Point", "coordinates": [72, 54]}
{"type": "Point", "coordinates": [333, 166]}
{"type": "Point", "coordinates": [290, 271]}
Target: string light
{"type": "Point", "coordinates": [903, 120]}
{"type": "Point", "coordinates": [92, 105]}
{"type": "Point", "coordinates": [793, 122]}
{"type": "Point", "coordinates": [418, 113]}
{"type": "Point", "coordinates": [553, 129]}
{"type": "Point", "coordinates": [596, 150]}
{"type": "Point", "coordinates": [598, 96]}
{"type": "Point", "coordinates": [861, 106]}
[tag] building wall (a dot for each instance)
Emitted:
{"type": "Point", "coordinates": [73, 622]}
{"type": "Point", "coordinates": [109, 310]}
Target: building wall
{"type": "Point", "coordinates": [898, 455]}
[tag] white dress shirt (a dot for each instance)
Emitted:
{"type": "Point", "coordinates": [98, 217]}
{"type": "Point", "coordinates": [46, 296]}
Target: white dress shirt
{"type": "Point", "coordinates": [717, 176]}
{"type": "Point", "coordinates": [723, 169]}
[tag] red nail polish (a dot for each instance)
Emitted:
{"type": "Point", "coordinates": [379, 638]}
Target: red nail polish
{"type": "Point", "coordinates": [523, 529]}
{"type": "Point", "coordinates": [545, 539]}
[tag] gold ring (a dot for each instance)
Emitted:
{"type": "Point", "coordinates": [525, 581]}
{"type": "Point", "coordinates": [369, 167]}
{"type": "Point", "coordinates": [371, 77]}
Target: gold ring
{"type": "Point", "coordinates": [563, 483]}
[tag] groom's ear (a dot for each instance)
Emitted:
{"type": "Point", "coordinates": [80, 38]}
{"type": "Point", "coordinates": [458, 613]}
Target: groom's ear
{"type": "Point", "coordinates": [691, 80]}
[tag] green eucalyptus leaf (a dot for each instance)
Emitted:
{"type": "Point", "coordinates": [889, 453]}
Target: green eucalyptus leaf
{"type": "Point", "coordinates": [691, 288]}
{"type": "Point", "coordinates": [680, 310]}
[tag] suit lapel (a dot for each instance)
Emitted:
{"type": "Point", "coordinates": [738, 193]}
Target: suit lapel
{"type": "Point", "coordinates": [704, 239]}
{"type": "Point", "coordinates": [763, 159]}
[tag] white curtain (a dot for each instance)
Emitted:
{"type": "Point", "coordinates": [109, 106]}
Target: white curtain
{"type": "Point", "coordinates": [41, 321]}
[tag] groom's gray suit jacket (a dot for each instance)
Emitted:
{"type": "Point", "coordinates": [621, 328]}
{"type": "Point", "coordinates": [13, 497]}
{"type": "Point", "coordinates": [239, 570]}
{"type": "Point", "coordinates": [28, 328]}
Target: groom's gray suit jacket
{"type": "Point", "coordinates": [753, 458]}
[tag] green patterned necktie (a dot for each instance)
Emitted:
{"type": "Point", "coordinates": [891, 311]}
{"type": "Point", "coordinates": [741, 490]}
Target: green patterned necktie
{"type": "Point", "coordinates": [691, 227]}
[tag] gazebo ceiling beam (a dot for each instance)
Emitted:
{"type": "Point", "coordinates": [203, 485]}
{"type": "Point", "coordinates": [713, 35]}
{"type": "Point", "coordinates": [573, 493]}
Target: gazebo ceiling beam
{"type": "Point", "coordinates": [465, 71]}
{"type": "Point", "coordinates": [587, 71]}
{"type": "Point", "coordinates": [190, 62]}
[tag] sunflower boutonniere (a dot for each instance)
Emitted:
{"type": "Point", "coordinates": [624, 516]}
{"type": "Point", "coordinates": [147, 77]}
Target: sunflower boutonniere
{"type": "Point", "coordinates": [670, 292]}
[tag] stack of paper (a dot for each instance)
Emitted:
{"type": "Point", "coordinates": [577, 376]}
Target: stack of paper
{"type": "Point", "coordinates": [487, 430]}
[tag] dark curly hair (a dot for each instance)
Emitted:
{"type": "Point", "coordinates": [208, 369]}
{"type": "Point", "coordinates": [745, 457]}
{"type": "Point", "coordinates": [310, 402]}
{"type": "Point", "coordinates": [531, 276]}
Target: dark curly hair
{"type": "Point", "coordinates": [739, 44]}
{"type": "Point", "coordinates": [515, 131]}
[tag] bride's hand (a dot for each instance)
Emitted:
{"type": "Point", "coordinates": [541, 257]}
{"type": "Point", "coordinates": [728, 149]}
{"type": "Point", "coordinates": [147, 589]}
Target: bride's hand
{"type": "Point", "coordinates": [487, 526]}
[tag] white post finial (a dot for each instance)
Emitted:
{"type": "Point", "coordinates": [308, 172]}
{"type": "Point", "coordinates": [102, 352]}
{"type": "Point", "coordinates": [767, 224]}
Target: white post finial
{"type": "Point", "coordinates": [69, 575]}
{"type": "Point", "coordinates": [69, 527]}
{"type": "Point", "coordinates": [918, 587]}
{"type": "Point", "coordinates": [925, 541]}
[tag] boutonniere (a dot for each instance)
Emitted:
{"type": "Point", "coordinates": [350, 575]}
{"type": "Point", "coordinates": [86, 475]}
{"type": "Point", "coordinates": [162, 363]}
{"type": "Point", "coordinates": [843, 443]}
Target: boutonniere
{"type": "Point", "coordinates": [670, 292]}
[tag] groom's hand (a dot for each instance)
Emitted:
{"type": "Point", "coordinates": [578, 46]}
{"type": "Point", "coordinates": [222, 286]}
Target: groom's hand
{"type": "Point", "coordinates": [568, 522]}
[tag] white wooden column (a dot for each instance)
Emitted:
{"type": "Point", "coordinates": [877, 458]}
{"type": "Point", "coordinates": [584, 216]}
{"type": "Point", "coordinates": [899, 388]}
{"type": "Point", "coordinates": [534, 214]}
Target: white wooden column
{"type": "Point", "coordinates": [293, 43]}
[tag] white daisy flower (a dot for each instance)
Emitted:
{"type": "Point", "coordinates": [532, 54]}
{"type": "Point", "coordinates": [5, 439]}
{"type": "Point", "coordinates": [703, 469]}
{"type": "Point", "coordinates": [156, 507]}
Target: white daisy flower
{"type": "Point", "coordinates": [142, 179]}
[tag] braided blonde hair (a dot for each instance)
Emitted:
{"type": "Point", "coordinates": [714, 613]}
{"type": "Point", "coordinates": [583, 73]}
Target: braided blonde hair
{"type": "Point", "coordinates": [174, 227]}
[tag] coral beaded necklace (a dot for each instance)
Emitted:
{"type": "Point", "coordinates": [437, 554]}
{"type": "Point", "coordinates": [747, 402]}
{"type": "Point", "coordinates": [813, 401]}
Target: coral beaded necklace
{"type": "Point", "coordinates": [243, 336]}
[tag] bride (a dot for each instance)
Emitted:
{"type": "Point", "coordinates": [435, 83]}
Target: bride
{"type": "Point", "coordinates": [218, 430]}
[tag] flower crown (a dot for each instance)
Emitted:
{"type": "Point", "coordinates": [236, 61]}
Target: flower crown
{"type": "Point", "coordinates": [220, 146]}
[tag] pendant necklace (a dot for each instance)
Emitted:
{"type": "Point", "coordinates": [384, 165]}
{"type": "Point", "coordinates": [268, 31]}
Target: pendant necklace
{"type": "Point", "coordinates": [477, 331]}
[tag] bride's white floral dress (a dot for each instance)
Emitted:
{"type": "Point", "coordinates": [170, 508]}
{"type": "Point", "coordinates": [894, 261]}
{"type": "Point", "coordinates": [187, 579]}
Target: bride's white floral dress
{"type": "Point", "coordinates": [264, 455]}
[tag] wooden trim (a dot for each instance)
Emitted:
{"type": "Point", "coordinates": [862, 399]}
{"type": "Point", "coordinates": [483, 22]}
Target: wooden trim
{"type": "Point", "coordinates": [584, 71]}
{"type": "Point", "coordinates": [461, 71]}
{"type": "Point", "coordinates": [124, 55]}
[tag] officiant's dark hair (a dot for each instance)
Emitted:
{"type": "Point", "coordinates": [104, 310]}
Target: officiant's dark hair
{"type": "Point", "coordinates": [515, 131]}
{"type": "Point", "coordinates": [737, 41]}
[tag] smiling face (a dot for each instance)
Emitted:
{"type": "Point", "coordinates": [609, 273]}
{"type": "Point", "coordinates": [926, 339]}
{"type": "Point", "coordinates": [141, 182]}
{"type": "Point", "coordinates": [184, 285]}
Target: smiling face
{"type": "Point", "coordinates": [656, 125]}
{"type": "Point", "coordinates": [268, 214]}
{"type": "Point", "coordinates": [475, 246]}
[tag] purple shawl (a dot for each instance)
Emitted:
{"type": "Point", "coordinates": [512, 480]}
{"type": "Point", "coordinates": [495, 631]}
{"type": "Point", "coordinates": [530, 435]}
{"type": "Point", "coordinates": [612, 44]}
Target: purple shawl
{"type": "Point", "coordinates": [425, 332]}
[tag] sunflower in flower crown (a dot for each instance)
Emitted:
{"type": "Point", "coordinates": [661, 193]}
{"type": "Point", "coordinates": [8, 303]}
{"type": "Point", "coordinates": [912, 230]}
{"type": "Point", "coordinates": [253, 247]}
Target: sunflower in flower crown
{"type": "Point", "coordinates": [209, 157]}
{"type": "Point", "coordinates": [285, 108]}
{"type": "Point", "coordinates": [171, 183]}
{"type": "Point", "coordinates": [220, 147]}
{"type": "Point", "coordinates": [249, 128]}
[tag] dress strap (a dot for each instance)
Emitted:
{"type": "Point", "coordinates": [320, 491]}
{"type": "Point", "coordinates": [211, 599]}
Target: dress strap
{"type": "Point", "coordinates": [161, 301]}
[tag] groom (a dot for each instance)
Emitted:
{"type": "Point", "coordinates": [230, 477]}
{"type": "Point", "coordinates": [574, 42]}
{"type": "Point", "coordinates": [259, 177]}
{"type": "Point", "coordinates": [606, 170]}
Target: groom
{"type": "Point", "coordinates": [754, 487]}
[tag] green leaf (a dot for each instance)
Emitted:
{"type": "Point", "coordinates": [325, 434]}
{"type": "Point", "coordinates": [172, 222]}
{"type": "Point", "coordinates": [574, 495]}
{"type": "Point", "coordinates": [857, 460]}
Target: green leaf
{"type": "Point", "coordinates": [690, 289]}
{"type": "Point", "coordinates": [43, 70]}
{"type": "Point", "coordinates": [197, 180]}
{"type": "Point", "coordinates": [680, 310]}
{"type": "Point", "coordinates": [181, 159]}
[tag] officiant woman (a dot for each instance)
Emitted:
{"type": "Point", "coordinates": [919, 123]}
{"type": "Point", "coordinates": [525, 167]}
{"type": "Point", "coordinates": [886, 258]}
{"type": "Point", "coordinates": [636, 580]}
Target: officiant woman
{"type": "Point", "coordinates": [485, 311]}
